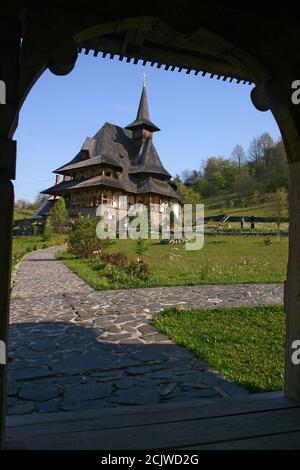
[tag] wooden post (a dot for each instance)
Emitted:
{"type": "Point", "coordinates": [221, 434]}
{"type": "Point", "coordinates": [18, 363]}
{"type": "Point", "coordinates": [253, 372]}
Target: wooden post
{"type": "Point", "coordinates": [275, 95]}
{"type": "Point", "coordinates": [10, 40]}
{"type": "Point", "coordinates": [292, 286]}
{"type": "Point", "coordinates": [6, 217]}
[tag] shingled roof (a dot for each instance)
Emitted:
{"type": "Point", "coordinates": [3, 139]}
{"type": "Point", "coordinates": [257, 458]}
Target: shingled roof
{"type": "Point", "coordinates": [100, 159]}
{"type": "Point", "coordinates": [155, 186]}
{"type": "Point", "coordinates": [148, 161]}
{"type": "Point", "coordinates": [113, 146]}
{"type": "Point", "coordinates": [143, 116]}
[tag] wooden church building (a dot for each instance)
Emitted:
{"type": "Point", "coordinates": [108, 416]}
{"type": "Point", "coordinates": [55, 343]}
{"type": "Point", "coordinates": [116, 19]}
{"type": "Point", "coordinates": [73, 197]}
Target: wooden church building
{"type": "Point", "coordinates": [116, 162]}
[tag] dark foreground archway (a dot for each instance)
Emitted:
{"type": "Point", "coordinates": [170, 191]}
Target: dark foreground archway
{"type": "Point", "coordinates": [224, 41]}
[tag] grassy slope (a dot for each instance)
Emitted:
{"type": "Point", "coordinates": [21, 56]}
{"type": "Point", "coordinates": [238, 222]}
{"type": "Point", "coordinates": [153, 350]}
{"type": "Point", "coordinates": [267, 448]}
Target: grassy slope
{"type": "Point", "coordinates": [244, 344]}
{"type": "Point", "coordinates": [23, 213]}
{"type": "Point", "coordinates": [220, 205]}
{"type": "Point", "coordinates": [223, 260]}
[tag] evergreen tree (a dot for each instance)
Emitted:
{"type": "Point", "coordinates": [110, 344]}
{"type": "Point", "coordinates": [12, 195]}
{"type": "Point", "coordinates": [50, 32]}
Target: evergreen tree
{"type": "Point", "coordinates": [58, 214]}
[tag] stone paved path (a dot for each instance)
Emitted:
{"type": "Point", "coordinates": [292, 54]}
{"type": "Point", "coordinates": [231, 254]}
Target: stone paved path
{"type": "Point", "coordinates": [74, 348]}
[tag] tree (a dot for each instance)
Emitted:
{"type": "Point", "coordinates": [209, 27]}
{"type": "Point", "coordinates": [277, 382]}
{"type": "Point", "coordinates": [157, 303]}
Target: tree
{"type": "Point", "coordinates": [279, 204]}
{"type": "Point", "coordinates": [244, 182]}
{"type": "Point", "coordinates": [219, 173]}
{"type": "Point", "coordinates": [260, 148]}
{"type": "Point", "coordinates": [58, 214]}
{"type": "Point", "coordinates": [39, 200]}
{"type": "Point", "coordinates": [190, 176]}
{"type": "Point", "coordinates": [199, 186]}
{"type": "Point", "coordinates": [83, 240]}
{"type": "Point", "coordinates": [278, 167]}
{"type": "Point", "coordinates": [259, 155]}
{"type": "Point", "coordinates": [48, 233]}
{"type": "Point", "coordinates": [238, 155]}
{"type": "Point", "coordinates": [140, 247]}
{"type": "Point", "coordinates": [188, 195]}
{"type": "Point", "coordinates": [177, 179]}
{"type": "Point", "coordinates": [23, 204]}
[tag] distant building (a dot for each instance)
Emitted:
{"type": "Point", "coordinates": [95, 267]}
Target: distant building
{"type": "Point", "coordinates": [116, 162]}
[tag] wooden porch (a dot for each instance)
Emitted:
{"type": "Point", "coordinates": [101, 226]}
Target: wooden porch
{"type": "Point", "coordinates": [259, 421]}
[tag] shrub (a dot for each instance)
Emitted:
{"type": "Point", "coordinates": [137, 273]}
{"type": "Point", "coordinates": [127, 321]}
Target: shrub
{"type": "Point", "coordinates": [139, 269]}
{"type": "Point", "coordinates": [34, 229]}
{"type": "Point", "coordinates": [17, 255]}
{"type": "Point", "coordinates": [96, 264]}
{"type": "Point", "coordinates": [119, 259]}
{"type": "Point", "coordinates": [140, 247]}
{"type": "Point", "coordinates": [58, 214]}
{"type": "Point", "coordinates": [268, 241]}
{"type": "Point", "coordinates": [48, 233]}
{"type": "Point", "coordinates": [114, 274]}
{"type": "Point", "coordinates": [83, 240]}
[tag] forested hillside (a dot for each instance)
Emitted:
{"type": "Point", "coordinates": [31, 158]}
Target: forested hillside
{"type": "Point", "coordinates": [247, 182]}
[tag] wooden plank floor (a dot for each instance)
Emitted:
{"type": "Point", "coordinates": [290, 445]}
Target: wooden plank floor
{"type": "Point", "coordinates": [258, 421]}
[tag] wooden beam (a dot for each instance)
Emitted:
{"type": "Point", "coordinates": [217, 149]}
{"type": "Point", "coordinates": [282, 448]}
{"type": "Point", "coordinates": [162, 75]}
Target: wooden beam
{"type": "Point", "coordinates": [199, 427]}
{"type": "Point", "coordinates": [292, 287]}
{"type": "Point", "coordinates": [6, 214]}
{"type": "Point", "coordinates": [275, 95]}
{"type": "Point", "coordinates": [10, 41]}
{"type": "Point", "coordinates": [168, 53]}
{"type": "Point", "coordinates": [110, 418]}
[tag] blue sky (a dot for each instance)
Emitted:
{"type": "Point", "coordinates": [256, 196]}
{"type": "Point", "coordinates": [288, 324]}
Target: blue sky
{"type": "Point", "coordinates": [198, 117]}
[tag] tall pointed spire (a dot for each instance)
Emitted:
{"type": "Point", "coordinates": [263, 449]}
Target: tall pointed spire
{"type": "Point", "coordinates": [142, 120]}
{"type": "Point", "coordinates": [143, 111]}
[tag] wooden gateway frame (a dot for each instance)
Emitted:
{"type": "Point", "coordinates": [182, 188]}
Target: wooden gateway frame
{"type": "Point", "coordinates": [229, 43]}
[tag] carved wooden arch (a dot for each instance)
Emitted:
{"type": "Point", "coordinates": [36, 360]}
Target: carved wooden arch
{"type": "Point", "coordinates": [204, 50]}
{"type": "Point", "coordinates": [52, 39]}
{"type": "Point", "coordinates": [212, 55]}
{"type": "Point", "coordinates": [136, 40]}
{"type": "Point", "coordinates": [147, 39]}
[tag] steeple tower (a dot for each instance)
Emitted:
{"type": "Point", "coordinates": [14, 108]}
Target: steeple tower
{"type": "Point", "coordinates": [142, 127]}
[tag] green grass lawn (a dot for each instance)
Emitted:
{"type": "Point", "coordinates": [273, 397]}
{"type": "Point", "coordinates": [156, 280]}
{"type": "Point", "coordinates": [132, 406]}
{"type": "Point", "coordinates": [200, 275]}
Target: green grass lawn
{"type": "Point", "coordinates": [26, 244]}
{"type": "Point", "coordinates": [223, 260]}
{"type": "Point", "coordinates": [245, 344]}
{"type": "Point", "coordinates": [23, 213]}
